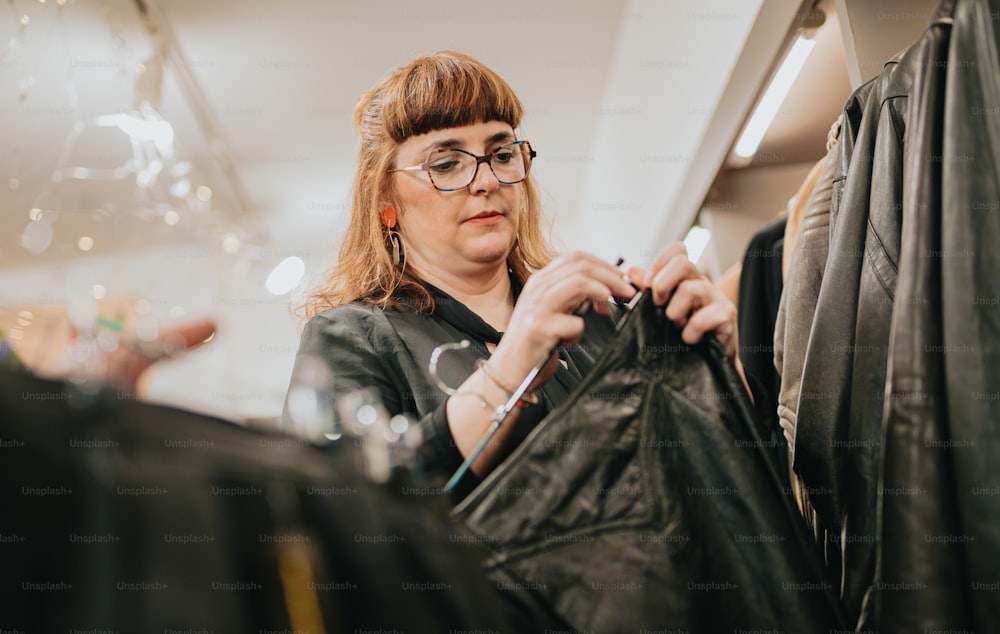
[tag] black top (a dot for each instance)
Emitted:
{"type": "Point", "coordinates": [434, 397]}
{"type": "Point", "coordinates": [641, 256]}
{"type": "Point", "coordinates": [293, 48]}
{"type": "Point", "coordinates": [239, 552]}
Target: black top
{"type": "Point", "coordinates": [760, 294]}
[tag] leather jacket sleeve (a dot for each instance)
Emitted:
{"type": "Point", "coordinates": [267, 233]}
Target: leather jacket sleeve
{"type": "Point", "coordinates": [836, 452]}
{"type": "Point", "coordinates": [353, 347]}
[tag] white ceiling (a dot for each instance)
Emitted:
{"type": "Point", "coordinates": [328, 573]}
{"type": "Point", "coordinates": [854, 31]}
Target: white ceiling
{"type": "Point", "coordinates": [630, 103]}
{"type": "Point", "coordinates": [619, 95]}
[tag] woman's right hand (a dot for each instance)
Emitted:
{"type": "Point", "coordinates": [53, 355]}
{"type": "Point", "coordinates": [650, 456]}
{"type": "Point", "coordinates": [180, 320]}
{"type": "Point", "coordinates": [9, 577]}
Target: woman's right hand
{"type": "Point", "coordinates": [546, 315]}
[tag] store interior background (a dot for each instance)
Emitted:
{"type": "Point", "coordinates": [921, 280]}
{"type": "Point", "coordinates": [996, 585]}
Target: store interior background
{"type": "Point", "coordinates": [224, 193]}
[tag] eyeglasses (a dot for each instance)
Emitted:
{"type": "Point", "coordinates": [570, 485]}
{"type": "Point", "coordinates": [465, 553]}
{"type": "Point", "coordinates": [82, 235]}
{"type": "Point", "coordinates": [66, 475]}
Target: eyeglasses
{"type": "Point", "coordinates": [451, 169]}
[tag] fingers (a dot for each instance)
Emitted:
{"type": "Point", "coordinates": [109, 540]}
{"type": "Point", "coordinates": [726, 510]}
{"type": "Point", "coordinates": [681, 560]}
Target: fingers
{"type": "Point", "coordinates": [690, 295]}
{"type": "Point", "coordinates": [571, 285]}
{"type": "Point", "coordinates": [584, 265]}
{"type": "Point", "coordinates": [718, 317]}
{"type": "Point", "coordinates": [698, 307]}
{"type": "Point", "coordinates": [643, 278]}
{"type": "Point", "coordinates": [692, 302]}
{"type": "Point", "coordinates": [668, 269]}
{"type": "Point", "coordinates": [123, 364]}
{"type": "Point", "coordinates": [125, 368]}
{"type": "Point", "coordinates": [671, 251]}
{"type": "Point", "coordinates": [578, 293]}
{"type": "Point", "coordinates": [187, 336]}
{"type": "Point", "coordinates": [670, 275]}
{"type": "Point", "coordinates": [127, 364]}
{"type": "Point", "coordinates": [547, 311]}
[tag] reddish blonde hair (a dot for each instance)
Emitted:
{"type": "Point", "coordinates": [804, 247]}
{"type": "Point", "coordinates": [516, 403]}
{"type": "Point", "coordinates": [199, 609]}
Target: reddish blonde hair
{"type": "Point", "coordinates": [443, 90]}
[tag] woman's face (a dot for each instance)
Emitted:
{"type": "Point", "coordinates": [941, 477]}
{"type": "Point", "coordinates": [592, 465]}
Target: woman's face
{"type": "Point", "coordinates": [458, 232]}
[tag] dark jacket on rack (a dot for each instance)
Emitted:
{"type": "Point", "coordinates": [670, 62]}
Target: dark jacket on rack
{"type": "Point", "coordinates": [905, 136]}
{"type": "Point", "coordinates": [839, 421]}
{"type": "Point", "coordinates": [940, 514]}
{"type": "Point", "coordinates": [760, 292]}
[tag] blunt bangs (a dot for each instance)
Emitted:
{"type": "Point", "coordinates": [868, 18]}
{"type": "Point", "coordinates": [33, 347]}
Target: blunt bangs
{"type": "Point", "coordinates": [446, 90]}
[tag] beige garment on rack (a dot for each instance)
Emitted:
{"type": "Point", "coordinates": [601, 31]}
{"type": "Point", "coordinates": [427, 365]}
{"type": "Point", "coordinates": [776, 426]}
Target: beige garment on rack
{"type": "Point", "coordinates": [796, 210]}
{"type": "Point", "coordinates": [803, 277]}
{"type": "Point", "coordinates": [798, 204]}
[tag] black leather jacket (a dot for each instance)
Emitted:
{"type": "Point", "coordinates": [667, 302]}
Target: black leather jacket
{"type": "Point", "coordinates": [884, 397]}
{"type": "Point", "coordinates": [837, 445]}
{"type": "Point", "coordinates": [651, 500]}
{"type": "Point", "coordinates": [939, 566]}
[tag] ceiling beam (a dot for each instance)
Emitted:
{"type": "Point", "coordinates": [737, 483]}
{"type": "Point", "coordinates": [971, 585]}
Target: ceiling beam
{"type": "Point", "coordinates": [874, 32]}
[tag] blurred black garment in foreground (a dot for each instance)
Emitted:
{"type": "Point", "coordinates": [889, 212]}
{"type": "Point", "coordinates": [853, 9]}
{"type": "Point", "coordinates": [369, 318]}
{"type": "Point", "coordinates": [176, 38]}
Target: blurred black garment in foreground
{"type": "Point", "coordinates": [123, 516]}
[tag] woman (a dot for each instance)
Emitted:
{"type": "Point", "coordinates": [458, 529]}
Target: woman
{"type": "Point", "coordinates": [445, 244]}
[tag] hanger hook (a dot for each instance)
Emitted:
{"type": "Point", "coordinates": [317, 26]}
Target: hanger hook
{"type": "Point", "coordinates": [432, 365]}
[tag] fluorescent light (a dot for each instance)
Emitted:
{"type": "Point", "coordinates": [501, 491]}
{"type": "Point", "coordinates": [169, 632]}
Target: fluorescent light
{"type": "Point", "coordinates": [696, 241]}
{"type": "Point", "coordinates": [762, 117]}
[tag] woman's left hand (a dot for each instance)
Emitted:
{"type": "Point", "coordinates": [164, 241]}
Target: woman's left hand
{"type": "Point", "coordinates": [693, 303]}
{"type": "Point", "coordinates": [124, 366]}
